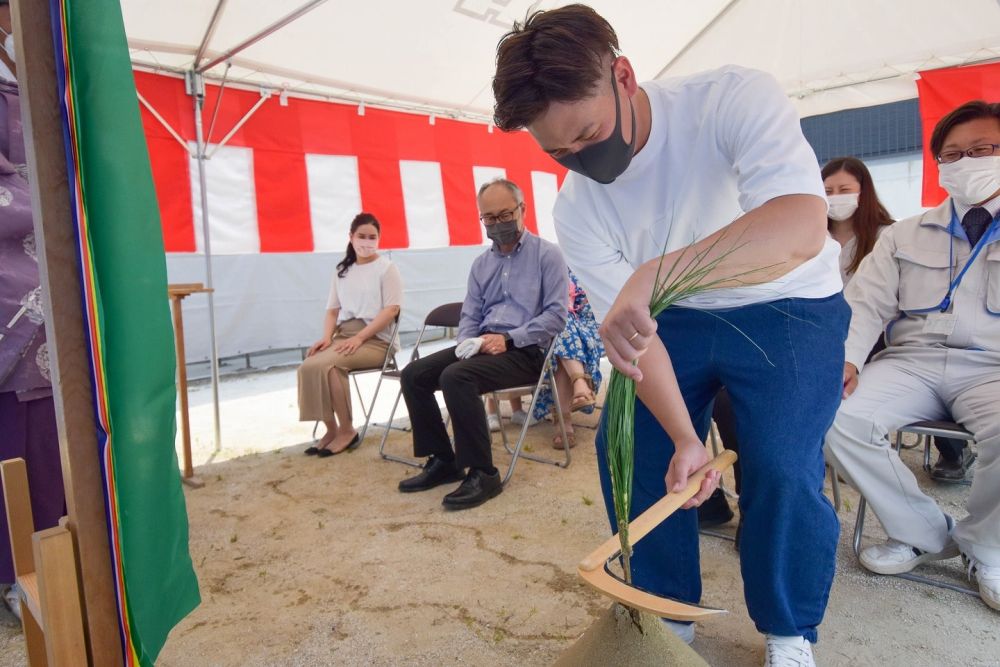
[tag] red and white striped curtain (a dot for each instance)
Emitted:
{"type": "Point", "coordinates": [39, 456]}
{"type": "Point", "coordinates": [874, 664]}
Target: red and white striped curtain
{"type": "Point", "coordinates": [294, 176]}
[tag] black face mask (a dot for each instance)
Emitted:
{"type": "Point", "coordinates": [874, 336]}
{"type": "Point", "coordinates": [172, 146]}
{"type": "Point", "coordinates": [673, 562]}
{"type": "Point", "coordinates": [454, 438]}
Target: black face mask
{"type": "Point", "coordinates": [606, 160]}
{"type": "Point", "coordinates": [503, 233]}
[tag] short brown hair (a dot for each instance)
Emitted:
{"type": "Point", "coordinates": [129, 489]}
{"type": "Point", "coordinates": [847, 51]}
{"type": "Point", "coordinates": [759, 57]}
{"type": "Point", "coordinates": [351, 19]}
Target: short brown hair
{"type": "Point", "coordinates": [973, 110]}
{"type": "Point", "coordinates": [555, 56]}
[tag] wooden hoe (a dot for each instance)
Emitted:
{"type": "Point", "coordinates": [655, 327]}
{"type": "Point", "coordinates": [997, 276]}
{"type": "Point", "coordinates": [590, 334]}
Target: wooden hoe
{"type": "Point", "coordinates": [595, 568]}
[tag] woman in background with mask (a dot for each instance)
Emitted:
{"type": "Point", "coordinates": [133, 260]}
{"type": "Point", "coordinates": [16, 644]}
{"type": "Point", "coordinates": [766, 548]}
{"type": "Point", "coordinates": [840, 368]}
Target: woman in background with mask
{"type": "Point", "coordinates": [856, 216]}
{"type": "Point", "coordinates": [365, 298]}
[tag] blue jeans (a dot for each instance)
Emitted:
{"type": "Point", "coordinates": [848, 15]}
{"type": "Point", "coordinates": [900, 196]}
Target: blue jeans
{"type": "Point", "coordinates": [784, 396]}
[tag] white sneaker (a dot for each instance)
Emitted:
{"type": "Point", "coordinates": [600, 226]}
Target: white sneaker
{"type": "Point", "coordinates": [493, 422]}
{"type": "Point", "coordinates": [683, 630]}
{"type": "Point", "coordinates": [12, 598]}
{"type": "Point", "coordinates": [895, 557]}
{"type": "Point", "coordinates": [988, 579]}
{"type": "Point", "coordinates": [520, 416]}
{"type": "Point", "coordinates": [788, 652]}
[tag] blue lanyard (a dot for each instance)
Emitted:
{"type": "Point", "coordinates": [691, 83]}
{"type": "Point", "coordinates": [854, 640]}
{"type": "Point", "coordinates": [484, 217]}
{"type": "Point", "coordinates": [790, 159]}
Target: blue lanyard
{"type": "Point", "coordinates": [953, 285]}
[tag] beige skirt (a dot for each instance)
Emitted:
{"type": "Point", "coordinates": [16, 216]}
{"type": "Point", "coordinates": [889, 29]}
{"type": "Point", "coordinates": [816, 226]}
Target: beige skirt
{"type": "Point", "coordinates": [318, 371]}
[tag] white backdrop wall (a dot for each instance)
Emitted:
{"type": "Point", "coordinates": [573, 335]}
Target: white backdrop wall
{"type": "Point", "coordinates": [276, 300]}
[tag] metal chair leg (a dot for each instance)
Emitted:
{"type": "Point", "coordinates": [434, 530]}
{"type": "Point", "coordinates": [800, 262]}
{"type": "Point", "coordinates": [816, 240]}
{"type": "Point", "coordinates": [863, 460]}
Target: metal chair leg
{"type": "Point", "coordinates": [835, 487]}
{"type": "Point", "coordinates": [517, 451]}
{"type": "Point", "coordinates": [859, 525]}
{"type": "Point", "coordinates": [385, 436]}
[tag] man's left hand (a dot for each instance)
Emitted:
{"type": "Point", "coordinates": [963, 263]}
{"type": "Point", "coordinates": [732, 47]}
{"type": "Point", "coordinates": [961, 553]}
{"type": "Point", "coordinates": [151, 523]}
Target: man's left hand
{"type": "Point", "coordinates": [686, 461]}
{"type": "Point", "coordinates": [493, 344]}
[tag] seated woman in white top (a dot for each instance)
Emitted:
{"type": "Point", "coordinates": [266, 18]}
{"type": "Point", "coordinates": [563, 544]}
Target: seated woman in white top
{"type": "Point", "coordinates": [365, 298]}
{"type": "Point", "coordinates": [856, 217]}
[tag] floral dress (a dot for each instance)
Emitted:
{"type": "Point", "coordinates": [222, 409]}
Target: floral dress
{"type": "Point", "coordinates": [579, 341]}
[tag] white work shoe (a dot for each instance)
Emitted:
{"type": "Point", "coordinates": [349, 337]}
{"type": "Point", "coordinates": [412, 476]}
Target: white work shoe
{"type": "Point", "coordinates": [493, 422]}
{"type": "Point", "coordinates": [988, 579]}
{"type": "Point", "coordinates": [895, 557]}
{"type": "Point", "coordinates": [683, 630]}
{"type": "Point", "coordinates": [788, 652]}
{"type": "Point", "coordinates": [520, 416]}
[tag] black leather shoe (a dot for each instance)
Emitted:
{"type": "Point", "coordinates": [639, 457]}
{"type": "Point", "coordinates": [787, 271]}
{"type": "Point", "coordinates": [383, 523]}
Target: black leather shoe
{"type": "Point", "coordinates": [478, 487]}
{"type": "Point", "coordinates": [714, 511]}
{"type": "Point", "coordinates": [435, 473]}
{"type": "Point", "coordinates": [953, 471]}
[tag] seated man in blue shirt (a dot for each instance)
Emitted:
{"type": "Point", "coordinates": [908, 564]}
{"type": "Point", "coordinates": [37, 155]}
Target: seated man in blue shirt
{"type": "Point", "coordinates": [514, 307]}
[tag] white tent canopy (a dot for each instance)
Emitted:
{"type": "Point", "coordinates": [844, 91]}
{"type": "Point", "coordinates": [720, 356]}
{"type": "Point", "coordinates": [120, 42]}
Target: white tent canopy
{"type": "Point", "coordinates": [437, 56]}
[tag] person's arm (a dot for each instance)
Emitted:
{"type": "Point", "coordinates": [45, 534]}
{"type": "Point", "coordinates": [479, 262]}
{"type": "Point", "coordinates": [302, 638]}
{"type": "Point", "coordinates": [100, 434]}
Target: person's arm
{"type": "Point", "coordinates": [660, 393]}
{"type": "Point", "coordinates": [762, 245]}
{"type": "Point", "coordinates": [551, 321]}
{"type": "Point", "coordinates": [472, 307]}
{"type": "Point", "coordinates": [873, 295]}
{"type": "Point", "coordinates": [329, 326]}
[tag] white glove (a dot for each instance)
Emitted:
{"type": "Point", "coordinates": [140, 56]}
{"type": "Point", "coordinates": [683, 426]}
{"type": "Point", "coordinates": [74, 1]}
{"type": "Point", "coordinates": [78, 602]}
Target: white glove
{"type": "Point", "coordinates": [468, 348]}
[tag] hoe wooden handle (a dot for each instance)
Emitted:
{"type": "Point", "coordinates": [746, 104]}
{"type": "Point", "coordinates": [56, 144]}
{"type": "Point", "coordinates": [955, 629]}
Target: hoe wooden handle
{"type": "Point", "coordinates": [654, 516]}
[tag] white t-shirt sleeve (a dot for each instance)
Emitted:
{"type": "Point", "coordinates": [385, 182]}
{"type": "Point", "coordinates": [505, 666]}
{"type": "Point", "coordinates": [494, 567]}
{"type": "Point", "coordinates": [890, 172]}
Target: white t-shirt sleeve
{"type": "Point", "coordinates": [392, 287]}
{"type": "Point", "coordinates": [761, 134]}
{"type": "Point", "coordinates": [333, 301]}
{"type": "Point", "coordinates": [600, 268]}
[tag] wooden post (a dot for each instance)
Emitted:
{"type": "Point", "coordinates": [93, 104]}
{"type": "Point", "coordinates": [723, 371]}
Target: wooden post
{"type": "Point", "coordinates": [64, 326]}
{"type": "Point", "coordinates": [58, 597]}
{"type": "Point", "coordinates": [177, 293]}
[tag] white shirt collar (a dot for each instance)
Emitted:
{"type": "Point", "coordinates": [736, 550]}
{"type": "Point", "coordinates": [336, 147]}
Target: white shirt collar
{"type": "Point", "coordinates": [993, 206]}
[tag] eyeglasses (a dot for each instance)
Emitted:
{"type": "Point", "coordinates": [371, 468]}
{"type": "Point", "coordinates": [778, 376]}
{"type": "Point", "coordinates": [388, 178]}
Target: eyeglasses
{"type": "Point", "coordinates": [982, 150]}
{"type": "Point", "coordinates": [502, 216]}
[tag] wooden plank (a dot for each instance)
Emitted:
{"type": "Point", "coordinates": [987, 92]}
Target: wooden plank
{"type": "Point", "coordinates": [28, 583]}
{"type": "Point", "coordinates": [59, 594]}
{"type": "Point", "coordinates": [64, 327]}
{"type": "Point", "coordinates": [34, 640]}
{"type": "Point", "coordinates": [20, 521]}
{"type": "Point", "coordinates": [182, 390]}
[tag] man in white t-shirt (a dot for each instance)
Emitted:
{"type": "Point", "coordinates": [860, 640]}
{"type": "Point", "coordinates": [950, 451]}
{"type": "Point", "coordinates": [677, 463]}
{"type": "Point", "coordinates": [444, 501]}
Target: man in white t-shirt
{"type": "Point", "coordinates": [717, 160]}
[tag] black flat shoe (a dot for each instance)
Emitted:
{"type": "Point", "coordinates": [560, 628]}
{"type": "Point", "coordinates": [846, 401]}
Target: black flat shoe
{"type": "Point", "coordinates": [435, 473]}
{"type": "Point", "coordinates": [352, 445]}
{"type": "Point", "coordinates": [478, 487]}
{"type": "Point", "coordinates": [312, 451]}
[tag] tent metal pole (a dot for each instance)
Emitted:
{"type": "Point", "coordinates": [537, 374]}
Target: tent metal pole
{"type": "Point", "coordinates": [209, 31]}
{"type": "Point", "coordinates": [218, 103]}
{"type": "Point", "coordinates": [253, 39]}
{"type": "Point", "coordinates": [156, 114]}
{"type": "Point", "coordinates": [196, 87]}
{"type": "Point", "coordinates": [264, 97]}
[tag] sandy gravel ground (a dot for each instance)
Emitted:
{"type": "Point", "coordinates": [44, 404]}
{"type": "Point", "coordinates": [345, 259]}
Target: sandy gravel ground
{"type": "Point", "coordinates": [322, 562]}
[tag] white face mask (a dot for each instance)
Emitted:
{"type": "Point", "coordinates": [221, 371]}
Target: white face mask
{"type": "Point", "coordinates": [971, 180]}
{"type": "Point", "coordinates": [364, 247]}
{"type": "Point", "coordinates": [842, 206]}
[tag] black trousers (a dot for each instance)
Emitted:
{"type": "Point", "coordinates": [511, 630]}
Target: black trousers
{"type": "Point", "coordinates": [462, 382]}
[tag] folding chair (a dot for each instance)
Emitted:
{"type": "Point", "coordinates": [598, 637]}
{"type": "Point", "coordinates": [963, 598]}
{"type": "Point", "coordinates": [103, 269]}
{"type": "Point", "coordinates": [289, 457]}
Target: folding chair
{"type": "Point", "coordinates": [924, 431]}
{"type": "Point", "coordinates": [448, 316]}
{"type": "Point", "coordinates": [388, 367]}
{"type": "Point", "coordinates": [545, 378]}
